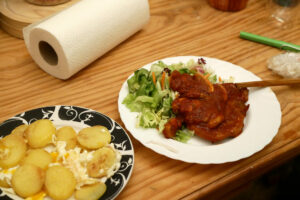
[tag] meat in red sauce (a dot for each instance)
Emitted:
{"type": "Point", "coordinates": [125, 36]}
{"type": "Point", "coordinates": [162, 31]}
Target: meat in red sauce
{"type": "Point", "coordinates": [213, 111]}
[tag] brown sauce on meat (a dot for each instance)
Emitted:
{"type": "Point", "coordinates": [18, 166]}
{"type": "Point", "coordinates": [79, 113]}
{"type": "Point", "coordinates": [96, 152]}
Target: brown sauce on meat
{"type": "Point", "coordinates": [213, 111]}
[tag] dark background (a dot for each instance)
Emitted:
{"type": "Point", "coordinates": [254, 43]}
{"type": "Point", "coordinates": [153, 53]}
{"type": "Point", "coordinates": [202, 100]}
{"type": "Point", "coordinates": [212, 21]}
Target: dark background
{"type": "Point", "coordinates": [282, 182]}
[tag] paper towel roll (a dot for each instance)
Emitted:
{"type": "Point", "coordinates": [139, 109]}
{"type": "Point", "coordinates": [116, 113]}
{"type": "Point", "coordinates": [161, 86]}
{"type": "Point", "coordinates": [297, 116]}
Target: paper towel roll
{"type": "Point", "coordinates": [70, 40]}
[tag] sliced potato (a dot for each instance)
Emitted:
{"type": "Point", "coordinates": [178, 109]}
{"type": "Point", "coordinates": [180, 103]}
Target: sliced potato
{"type": "Point", "coordinates": [40, 133]}
{"type": "Point", "coordinates": [4, 183]}
{"type": "Point", "coordinates": [67, 134]}
{"type": "Point", "coordinates": [102, 160]}
{"type": "Point", "coordinates": [91, 192]}
{"type": "Point", "coordinates": [28, 180]}
{"type": "Point", "coordinates": [12, 150]}
{"type": "Point", "coordinates": [19, 130]}
{"type": "Point", "coordinates": [38, 157]}
{"type": "Point", "coordinates": [60, 182]}
{"type": "Point", "coordinates": [94, 137]}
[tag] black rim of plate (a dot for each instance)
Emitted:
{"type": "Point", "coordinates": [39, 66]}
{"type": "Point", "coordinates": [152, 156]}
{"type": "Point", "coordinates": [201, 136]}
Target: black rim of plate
{"type": "Point", "coordinates": [63, 113]}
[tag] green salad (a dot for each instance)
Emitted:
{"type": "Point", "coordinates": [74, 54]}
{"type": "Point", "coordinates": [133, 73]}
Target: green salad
{"type": "Point", "coordinates": [150, 94]}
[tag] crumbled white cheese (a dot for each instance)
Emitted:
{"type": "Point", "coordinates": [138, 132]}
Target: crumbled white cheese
{"type": "Point", "coordinates": [6, 174]}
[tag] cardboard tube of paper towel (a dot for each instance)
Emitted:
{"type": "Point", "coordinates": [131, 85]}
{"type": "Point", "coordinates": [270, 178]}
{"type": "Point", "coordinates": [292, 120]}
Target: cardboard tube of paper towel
{"type": "Point", "coordinates": [70, 40]}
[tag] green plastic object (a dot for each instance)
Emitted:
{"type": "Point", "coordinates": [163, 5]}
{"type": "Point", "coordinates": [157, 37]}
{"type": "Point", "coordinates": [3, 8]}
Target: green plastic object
{"type": "Point", "coordinates": [271, 42]}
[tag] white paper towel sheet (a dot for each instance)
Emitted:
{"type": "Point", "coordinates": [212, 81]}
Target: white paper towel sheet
{"type": "Point", "coordinates": [70, 40]}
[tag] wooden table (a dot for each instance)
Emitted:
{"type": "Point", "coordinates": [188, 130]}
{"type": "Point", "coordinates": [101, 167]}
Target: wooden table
{"type": "Point", "coordinates": [177, 27]}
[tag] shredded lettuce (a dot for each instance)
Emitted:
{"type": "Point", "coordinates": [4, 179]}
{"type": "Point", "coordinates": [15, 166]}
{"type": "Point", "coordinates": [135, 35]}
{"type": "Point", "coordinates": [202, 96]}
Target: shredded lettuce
{"type": "Point", "coordinates": [213, 78]}
{"type": "Point", "coordinates": [151, 101]}
{"type": "Point", "coordinates": [184, 135]}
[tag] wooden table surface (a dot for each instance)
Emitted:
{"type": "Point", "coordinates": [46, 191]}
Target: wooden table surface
{"type": "Point", "coordinates": [176, 27]}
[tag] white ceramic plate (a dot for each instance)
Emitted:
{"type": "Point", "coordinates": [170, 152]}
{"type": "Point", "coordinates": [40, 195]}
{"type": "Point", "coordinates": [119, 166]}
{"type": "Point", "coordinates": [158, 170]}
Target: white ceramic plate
{"type": "Point", "coordinates": [78, 118]}
{"type": "Point", "coordinates": [261, 123]}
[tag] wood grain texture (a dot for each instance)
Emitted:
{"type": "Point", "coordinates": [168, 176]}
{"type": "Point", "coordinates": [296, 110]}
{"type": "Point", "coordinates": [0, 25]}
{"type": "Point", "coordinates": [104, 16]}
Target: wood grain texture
{"type": "Point", "coordinates": [176, 27]}
{"type": "Point", "coordinates": [16, 14]}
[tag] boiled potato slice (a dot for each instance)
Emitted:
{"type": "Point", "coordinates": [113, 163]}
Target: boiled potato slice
{"type": "Point", "coordinates": [60, 182]}
{"type": "Point", "coordinates": [94, 137]}
{"type": "Point", "coordinates": [19, 130]}
{"type": "Point", "coordinates": [38, 157]}
{"type": "Point", "coordinates": [28, 180]}
{"type": "Point", "coordinates": [39, 133]}
{"type": "Point", "coordinates": [91, 192]}
{"type": "Point", "coordinates": [4, 183]}
{"type": "Point", "coordinates": [12, 150]}
{"type": "Point", "coordinates": [67, 134]}
{"type": "Point", "coordinates": [102, 160]}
